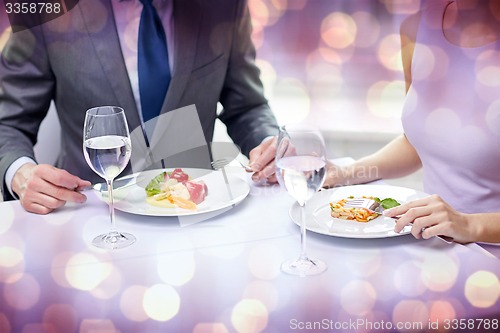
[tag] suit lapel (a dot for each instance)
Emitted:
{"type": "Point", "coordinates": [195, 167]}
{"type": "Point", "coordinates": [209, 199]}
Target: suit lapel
{"type": "Point", "coordinates": [107, 46]}
{"type": "Point", "coordinates": [187, 17]}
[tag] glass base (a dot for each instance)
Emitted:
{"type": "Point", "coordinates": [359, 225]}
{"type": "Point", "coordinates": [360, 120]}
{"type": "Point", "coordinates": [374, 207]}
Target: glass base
{"type": "Point", "coordinates": [303, 267]}
{"type": "Point", "coordinates": [114, 240]}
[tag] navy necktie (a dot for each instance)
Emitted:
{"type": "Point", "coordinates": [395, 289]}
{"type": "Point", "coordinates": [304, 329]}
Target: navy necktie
{"type": "Point", "coordinates": [153, 68]}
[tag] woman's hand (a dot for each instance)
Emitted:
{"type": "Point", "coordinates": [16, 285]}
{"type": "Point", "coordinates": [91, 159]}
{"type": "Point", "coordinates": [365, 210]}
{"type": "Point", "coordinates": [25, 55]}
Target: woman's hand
{"type": "Point", "coordinates": [432, 216]}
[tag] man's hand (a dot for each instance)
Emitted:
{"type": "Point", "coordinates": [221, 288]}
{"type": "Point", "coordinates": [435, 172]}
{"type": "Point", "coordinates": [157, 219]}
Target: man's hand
{"type": "Point", "coordinates": [262, 161]}
{"type": "Point", "coordinates": [43, 188]}
{"type": "Point", "coordinates": [432, 216]}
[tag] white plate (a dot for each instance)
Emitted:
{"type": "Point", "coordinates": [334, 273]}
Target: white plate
{"type": "Point", "coordinates": [132, 199]}
{"type": "Point", "coordinates": [319, 220]}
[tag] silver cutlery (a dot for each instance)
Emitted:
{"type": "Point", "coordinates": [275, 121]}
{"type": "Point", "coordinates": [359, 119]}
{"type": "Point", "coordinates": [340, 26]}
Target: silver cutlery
{"type": "Point", "coordinates": [375, 206]}
{"type": "Point", "coordinates": [220, 163]}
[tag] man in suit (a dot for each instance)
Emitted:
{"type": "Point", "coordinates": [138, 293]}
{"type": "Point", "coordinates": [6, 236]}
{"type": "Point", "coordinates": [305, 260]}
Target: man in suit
{"type": "Point", "coordinates": [87, 57]}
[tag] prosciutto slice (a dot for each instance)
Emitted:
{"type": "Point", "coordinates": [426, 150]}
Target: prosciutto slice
{"type": "Point", "coordinates": [179, 175]}
{"type": "Point", "coordinates": [197, 190]}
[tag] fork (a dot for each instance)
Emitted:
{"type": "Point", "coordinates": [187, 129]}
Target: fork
{"type": "Point", "coordinates": [220, 163]}
{"type": "Point", "coordinates": [375, 206]}
{"type": "Point", "coordinates": [370, 204]}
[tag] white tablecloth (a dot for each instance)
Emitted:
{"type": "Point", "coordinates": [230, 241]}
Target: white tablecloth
{"type": "Point", "coordinates": [223, 275]}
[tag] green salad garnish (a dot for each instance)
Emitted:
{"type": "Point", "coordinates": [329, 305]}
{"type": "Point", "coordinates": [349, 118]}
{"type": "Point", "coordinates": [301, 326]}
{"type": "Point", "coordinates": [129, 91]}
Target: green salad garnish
{"type": "Point", "coordinates": [387, 202]}
{"type": "Point", "coordinates": [154, 186]}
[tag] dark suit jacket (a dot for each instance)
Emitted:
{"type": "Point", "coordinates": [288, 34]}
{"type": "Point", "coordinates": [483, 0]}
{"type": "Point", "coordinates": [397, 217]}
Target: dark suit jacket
{"type": "Point", "coordinates": [76, 61]}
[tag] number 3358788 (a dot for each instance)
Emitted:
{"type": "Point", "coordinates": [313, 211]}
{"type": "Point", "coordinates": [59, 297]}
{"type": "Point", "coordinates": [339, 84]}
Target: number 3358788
{"type": "Point", "coordinates": [32, 8]}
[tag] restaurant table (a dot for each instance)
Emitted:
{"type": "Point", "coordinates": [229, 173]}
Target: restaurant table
{"type": "Point", "coordinates": [222, 274]}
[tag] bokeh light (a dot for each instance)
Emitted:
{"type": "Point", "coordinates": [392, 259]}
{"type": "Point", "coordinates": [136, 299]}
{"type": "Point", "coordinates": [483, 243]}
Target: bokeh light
{"type": "Point", "coordinates": [10, 256]}
{"type": "Point", "coordinates": [441, 310]}
{"type": "Point", "coordinates": [338, 30]}
{"type": "Point", "coordinates": [131, 303]}
{"type": "Point", "coordinates": [364, 264]}
{"type": "Point", "coordinates": [293, 4]}
{"type": "Point", "coordinates": [210, 328]}
{"type": "Point", "coordinates": [290, 102]}
{"type": "Point", "coordinates": [62, 317]}
{"type": "Point", "coordinates": [97, 325]}
{"type": "Point", "coordinates": [263, 291]}
{"type": "Point", "coordinates": [267, 75]}
{"type": "Point", "coordinates": [347, 46]}
{"type": "Point", "coordinates": [482, 289]}
{"type": "Point", "coordinates": [402, 6]}
{"type": "Point", "coordinates": [4, 37]}
{"type": "Point", "coordinates": [161, 302]}
{"type": "Point", "coordinates": [328, 55]}
{"type": "Point", "coordinates": [411, 312]}
{"type": "Point", "coordinates": [85, 272]}
{"type": "Point", "coordinates": [22, 294]}
{"type": "Point", "coordinates": [264, 261]}
{"type": "Point", "coordinates": [249, 316]}
{"type": "Point", "coordinates": [12, 261]}
{"type": "Point", "coordinates": [131, 35]}
{"type": "Point", "coordinates": [4, 323]}
{"type": "Point", "coordinates": [358, 297]}
{"type": "Point", "coordinates": [489, 76]}
{"type": "Point", "coordinates": [37, 327]}
{"type": "Point", "coordinates": [439, 271]}
{"type": "Point", "coordinates": [407, 279]}
{"type": "Point", "coordinates": [57, 268]}
{"type": "Point", "coordinates": [389, 52]}
{"type": "Point", "coordinates": [109, 286]}
{"type": "Point", "coordinates": [29, 44]}
{"type": "Point", "coordinates": [380, 97]}
{"type": "Point", "coordinates": [62, 24]}
{"type": "Point", "coordinates": [176, 269]}
{"type": "Point", "coordinates": [425, 62]}
{"type": "Point", "coordinates": [325, 81]}
{"type": "Point", "coordinates": [259, 12]}
{"type": "Point", "coordinates": [442, 116]}
{"type": "Point", "coordinates": [368, 29]}
{"type": "Point", "coordinates": [493, 116]}
{"type": "Point", "coordinates": [100, 17]}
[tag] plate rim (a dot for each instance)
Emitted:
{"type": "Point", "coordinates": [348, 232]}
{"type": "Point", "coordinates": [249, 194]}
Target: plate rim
{"type": "Point", "coordinates": [405, 231]}
{"type": "Point", "coordinates": [156, 213]}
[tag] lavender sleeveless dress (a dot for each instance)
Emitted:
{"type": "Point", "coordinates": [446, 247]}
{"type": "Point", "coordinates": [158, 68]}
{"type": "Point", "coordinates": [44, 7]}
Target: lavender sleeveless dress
{"type": "Point", "coordinates": [452, 116]}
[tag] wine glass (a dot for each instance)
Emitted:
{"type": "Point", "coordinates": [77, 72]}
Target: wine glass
{"type": "Point", "coordinates": [301, 170]}
{"type": "Point", "coordinates": [107, 149]}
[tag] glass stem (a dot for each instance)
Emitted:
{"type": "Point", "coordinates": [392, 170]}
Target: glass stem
{"type": "Point", "coordinates": [303, 254]}
{"type": "Point", "coordinates": [111, 204]}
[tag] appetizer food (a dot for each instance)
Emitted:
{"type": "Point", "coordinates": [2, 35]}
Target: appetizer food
{"type": "Point", "coordinates": [175, 189]}
{"type": "Point", "coordinates": [359, 214]}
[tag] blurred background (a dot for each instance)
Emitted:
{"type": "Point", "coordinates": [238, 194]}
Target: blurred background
{"type": "Point", "coordinates": [336, 63]}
